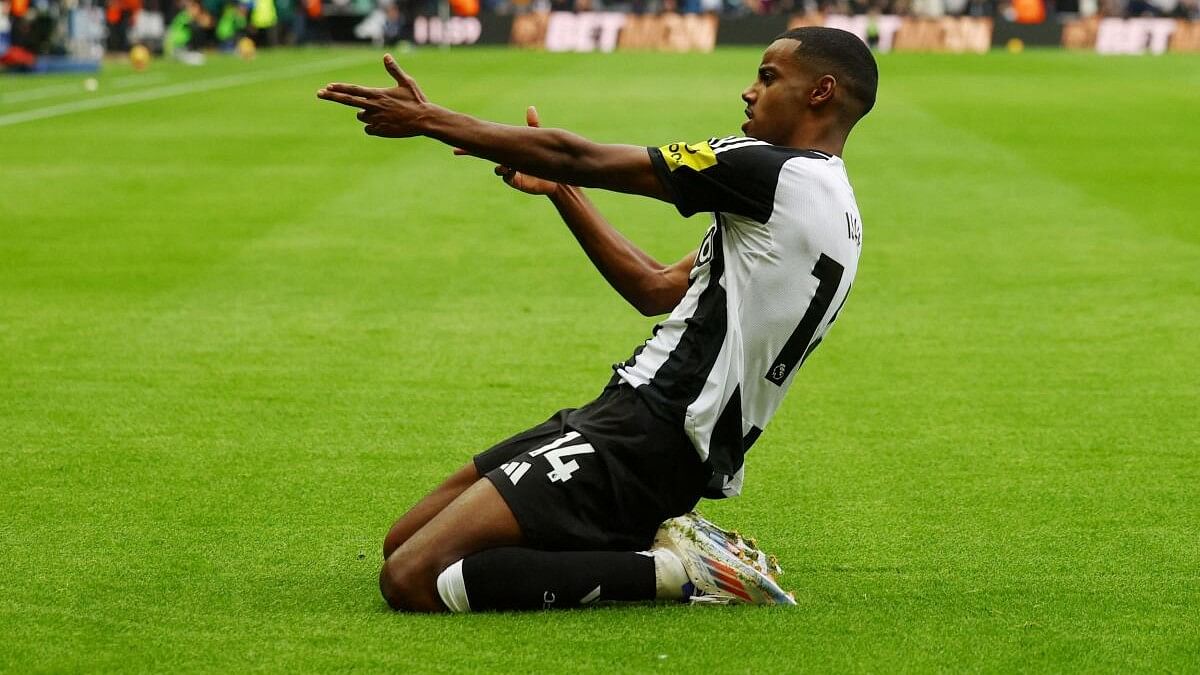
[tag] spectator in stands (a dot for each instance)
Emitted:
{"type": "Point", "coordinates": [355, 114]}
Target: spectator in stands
{"type": "Point", "coordinates": [394, 24]}
{"type": "Point", "coordinates": [1164, 7]}
{"type": "Point", "coordinates": [120, 16]}
{"type": "Point", "coordinates": [19, 54]}
{"type": "Point", "coordinates": [982, 8]}
{"type": "Point", "coordinates": [1026, 11]}
{"type": "Point", "coordinates": [214, 9]}
{"type": "Point", "coordinates": [1142, 8]}
{"type": "Point", "coordinates": [231, 25]}
{"type": "Point", "coordinates": [929, 8]}
{"type": "Point", "coordinates": [186, 29]}
{"type": "Point", "coordinates": [264, 22]}
{"type": "Point", "coordinates": [383, 26]}
{"type": "Point", "coordinates": [304, 12]}
{"type": "Point", "coordinates": [188, 33]}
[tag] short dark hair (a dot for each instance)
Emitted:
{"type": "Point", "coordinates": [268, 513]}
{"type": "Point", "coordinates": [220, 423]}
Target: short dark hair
{"type": "Point", "coordinates": [844, 55]}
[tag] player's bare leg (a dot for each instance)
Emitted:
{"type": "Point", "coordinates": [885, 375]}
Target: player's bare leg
{"type": "Point", "coordinates": [477, 520]}
{"type": "Point", "coordinates": [479, 538]}
{"type": "Point", "coordinates": [429, 506]}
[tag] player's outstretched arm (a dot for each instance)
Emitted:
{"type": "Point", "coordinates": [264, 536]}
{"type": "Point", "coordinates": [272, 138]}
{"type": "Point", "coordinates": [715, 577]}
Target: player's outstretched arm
{"type": "Point", "coordinates": [523, 181]}
{"type": "Point", "coordinates": [403, 111]}
{"type": "Point", "coordinates": [651, 287]}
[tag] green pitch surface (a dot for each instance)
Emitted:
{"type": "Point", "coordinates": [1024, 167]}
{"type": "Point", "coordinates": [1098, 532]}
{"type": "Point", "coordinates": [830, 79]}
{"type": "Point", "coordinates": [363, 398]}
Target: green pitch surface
{"type": "Point", "coordinates": [238, 338]}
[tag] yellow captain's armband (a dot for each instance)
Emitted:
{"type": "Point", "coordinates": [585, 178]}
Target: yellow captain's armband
{"type": "Point", "coordinates": [697, 156]}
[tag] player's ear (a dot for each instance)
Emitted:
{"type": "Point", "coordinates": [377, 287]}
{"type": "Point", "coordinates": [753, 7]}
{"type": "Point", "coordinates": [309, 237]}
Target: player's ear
{"type": "Point", "coordinates": [822, 91]}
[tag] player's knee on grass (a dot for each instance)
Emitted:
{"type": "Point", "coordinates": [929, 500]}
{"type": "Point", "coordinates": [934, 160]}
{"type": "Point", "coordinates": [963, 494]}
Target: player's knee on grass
{"type": "Point", "coordinates": [410, 586]}
{"type": "Point", "coordinates": [427, 508]}
{"type": "Point", "coordinates": [396, 536]}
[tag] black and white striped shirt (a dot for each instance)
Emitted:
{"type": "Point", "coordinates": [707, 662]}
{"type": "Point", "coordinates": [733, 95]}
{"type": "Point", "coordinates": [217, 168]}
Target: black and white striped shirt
{"type": "Point", "coordinates": [771, 275]}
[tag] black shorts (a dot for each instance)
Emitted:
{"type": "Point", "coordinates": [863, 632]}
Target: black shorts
{"type": "Point", "coordinates": [600, 477]}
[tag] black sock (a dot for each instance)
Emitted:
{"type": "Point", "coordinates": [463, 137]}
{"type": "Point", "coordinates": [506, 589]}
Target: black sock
{"type": "Point", "coordinates": [523, 578]}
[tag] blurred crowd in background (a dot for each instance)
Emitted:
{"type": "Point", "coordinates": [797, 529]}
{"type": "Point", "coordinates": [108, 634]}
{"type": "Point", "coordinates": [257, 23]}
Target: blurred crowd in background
{"type": "Point", "coordinates": [186, 28]}
{"type": "Point", "coordinates": [929, 8]}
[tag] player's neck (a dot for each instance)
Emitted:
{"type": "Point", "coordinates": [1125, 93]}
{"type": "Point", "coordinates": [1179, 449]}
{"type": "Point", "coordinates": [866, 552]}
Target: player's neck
{"type": "Point", "coordinates": [823, 135]}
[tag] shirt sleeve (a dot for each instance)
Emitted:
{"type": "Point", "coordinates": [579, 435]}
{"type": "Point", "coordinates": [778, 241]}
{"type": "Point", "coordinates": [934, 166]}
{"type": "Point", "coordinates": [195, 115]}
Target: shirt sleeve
{"type": "Point", "coordinates": [733, 175]}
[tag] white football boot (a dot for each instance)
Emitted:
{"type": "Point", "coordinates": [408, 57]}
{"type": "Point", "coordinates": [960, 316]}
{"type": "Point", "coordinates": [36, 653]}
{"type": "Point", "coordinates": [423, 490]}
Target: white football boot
{"type": "Point", "coordinates": [723, 566]}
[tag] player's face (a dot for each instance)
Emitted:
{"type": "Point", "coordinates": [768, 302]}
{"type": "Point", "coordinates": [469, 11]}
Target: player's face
{"type": "Point", "coordinates": [774, 101]}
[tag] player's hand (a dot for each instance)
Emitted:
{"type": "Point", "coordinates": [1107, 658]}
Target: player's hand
{"type": "Point", "coordinates": [394, 112]}
{"type": "Point", "coordinates": [521, 181]}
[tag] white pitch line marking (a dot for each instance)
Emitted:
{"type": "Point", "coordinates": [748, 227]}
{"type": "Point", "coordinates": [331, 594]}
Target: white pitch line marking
{"type": "Point", "coordinates": [168, 91]}
{"type": "Point", "coordinates": [42, 92]}
{"type": "Point", "coordinates": [55, 90]}
{"type": "Point", "coordinates": [140, 79]}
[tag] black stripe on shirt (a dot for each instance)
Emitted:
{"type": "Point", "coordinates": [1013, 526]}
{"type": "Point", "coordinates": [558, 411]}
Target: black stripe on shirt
{"type": "Point", "coordinates": [681, 377]}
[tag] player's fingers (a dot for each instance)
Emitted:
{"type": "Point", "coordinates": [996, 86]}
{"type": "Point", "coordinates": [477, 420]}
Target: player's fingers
{"type": "Point", "coordinates": [352, 89]}
{"type": "Point", "coordinates": [402, 77]}
{"type": "Point", "coordinates": [393, 68]}
{"type": "Point", "coordinates": [531, 117]}
{"type": "Point", "coordinates": [462, 153]}
{"type": "Point", "coordinates": [344, 99]}
{"type": "Point", "coordinates": [364, 115]}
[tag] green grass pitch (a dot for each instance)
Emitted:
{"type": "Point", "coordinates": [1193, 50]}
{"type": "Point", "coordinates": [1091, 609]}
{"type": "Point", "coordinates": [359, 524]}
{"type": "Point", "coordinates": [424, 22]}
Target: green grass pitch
{"type": "Point", "coordinates": [238, 338]}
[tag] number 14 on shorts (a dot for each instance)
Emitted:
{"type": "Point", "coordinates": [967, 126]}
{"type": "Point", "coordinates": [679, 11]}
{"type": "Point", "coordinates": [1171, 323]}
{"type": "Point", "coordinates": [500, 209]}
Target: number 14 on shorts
{"type": "Point", "coordinates": [554, 452]}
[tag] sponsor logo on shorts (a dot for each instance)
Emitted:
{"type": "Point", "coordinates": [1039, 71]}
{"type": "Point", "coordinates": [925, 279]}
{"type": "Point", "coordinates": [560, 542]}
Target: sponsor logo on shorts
{"type": "Point", "coordinates": [515, 470]}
